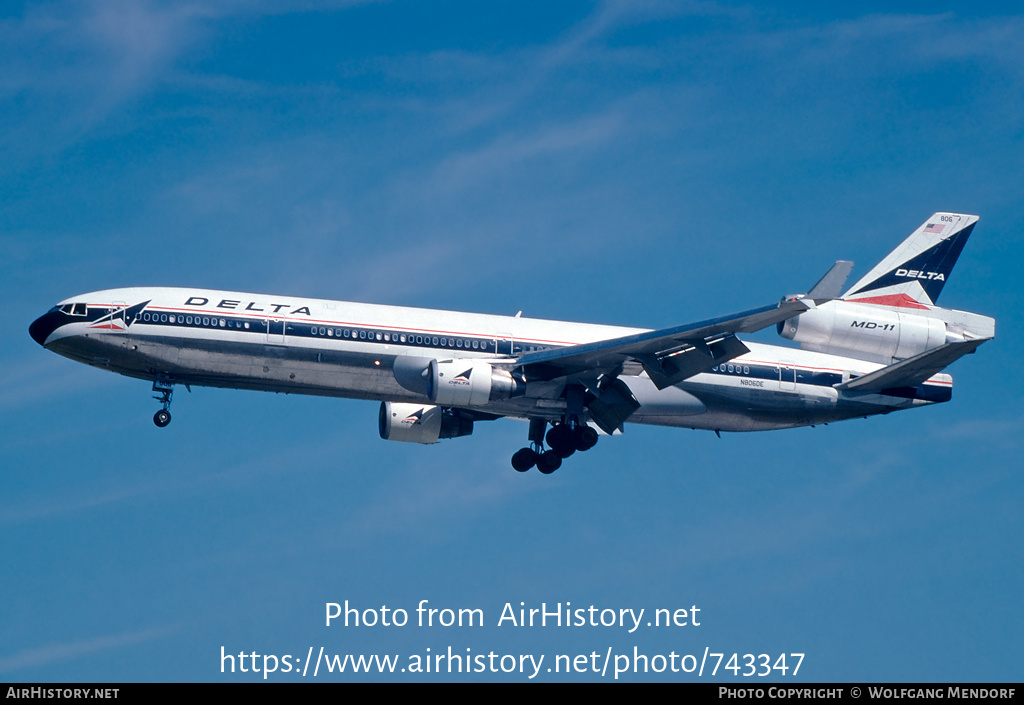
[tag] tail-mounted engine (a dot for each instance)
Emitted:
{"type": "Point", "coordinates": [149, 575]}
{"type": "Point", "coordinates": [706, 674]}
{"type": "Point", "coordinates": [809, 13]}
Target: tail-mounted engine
{"type": "Point", "coordinates": [864, 331]}
{"type": "Point", "coordinates": [421, 423]}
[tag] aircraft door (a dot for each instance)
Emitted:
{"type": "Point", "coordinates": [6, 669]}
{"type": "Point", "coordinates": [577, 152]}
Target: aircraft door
{"type": "Point", "coordinates": [118, 325]}
{"type": "Point", "coordinates": [275, 330]}
{"type": "Point", "coordinates": [787, 377]}
{"type": "Point", "coordinates": [504, 343]}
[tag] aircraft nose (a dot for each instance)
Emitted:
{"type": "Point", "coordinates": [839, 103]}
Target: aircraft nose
{"type": "Point", "coordinates": [44, 325]}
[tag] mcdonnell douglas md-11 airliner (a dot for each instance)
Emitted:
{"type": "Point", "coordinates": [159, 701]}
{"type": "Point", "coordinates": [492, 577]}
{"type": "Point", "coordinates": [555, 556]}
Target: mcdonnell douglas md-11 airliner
{"type": "Point", "coordinates": [876, 348]}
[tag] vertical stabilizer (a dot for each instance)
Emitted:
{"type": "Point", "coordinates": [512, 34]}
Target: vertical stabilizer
{"type": "Point", "coordinates": [913, 274]}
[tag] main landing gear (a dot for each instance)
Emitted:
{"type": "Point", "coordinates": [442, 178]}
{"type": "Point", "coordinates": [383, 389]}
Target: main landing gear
{"type": "Point", "coordinates": [564, 439]}
{"type": "Point", "coordinates": [164, 390]}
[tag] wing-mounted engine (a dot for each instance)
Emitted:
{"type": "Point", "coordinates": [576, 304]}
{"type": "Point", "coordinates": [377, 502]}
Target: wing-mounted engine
{"type": "Point", "coordinates": [867, 332]}
{"type": "Point", "coordinates": [465, 382]}
{"type": "Point", "coordinates": [470, 383]}
{"type": "Point", "coordinates": [421, 423]}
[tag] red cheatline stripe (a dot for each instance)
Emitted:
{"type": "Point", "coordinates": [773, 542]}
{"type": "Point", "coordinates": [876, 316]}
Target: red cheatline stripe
{"type": "Point", "coordinates": [897, 300]}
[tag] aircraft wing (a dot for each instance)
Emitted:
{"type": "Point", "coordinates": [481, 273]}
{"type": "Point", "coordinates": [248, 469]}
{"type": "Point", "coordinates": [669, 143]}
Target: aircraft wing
{"type": "Point", "coordinates": [912, 371]}
{"type": "Point", "coordinates": [669, 355]}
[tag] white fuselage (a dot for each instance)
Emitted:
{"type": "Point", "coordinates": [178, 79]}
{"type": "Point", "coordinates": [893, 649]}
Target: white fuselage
{"type": "Point", "coordinates": [308, 346]}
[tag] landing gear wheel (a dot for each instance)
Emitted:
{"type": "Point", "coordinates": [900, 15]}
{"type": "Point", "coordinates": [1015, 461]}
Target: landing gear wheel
{"type": "Point", "coordinates": [524, 459]}
{"type": "Point", "coordinates": [560, 438]}
{"type": "Point", "coordinates": [164, 389]}
{"type": "Point", "coordinates": [549, 462]}
{"type": "Point", "coordinates": [584, 437]}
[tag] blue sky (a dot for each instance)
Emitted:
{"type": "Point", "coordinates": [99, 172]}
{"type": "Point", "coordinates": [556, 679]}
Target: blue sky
{"type": "Point", "coordinates": [635, 163]}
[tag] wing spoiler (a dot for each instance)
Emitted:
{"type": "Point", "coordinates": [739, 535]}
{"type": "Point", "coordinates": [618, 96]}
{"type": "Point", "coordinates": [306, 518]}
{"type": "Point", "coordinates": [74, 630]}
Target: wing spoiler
{"type": "Point", "coordinates": [669, 355]}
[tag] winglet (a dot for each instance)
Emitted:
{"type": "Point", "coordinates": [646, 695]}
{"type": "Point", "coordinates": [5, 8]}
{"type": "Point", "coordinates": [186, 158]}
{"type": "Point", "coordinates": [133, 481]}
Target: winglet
{"type": "Point", "coordinates": [830, 286]}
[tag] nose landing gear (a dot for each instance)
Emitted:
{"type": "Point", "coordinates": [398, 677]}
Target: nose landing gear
{"type": "Point", "coordinates": [164, 390]}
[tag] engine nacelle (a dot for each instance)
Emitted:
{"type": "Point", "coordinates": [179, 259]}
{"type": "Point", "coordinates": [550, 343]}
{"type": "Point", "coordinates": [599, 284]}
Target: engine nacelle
{"type": "Point", "coordinates": [420, 423]}
{"type": "Point", "coordinates": [470, 383]}
{"type": "Point", "coordinates": [413, 373]}
{"type": "Point", "coordinates": [864, 331]}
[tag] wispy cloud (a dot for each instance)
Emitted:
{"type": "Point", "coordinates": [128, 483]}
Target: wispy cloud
{"type": "Point", "coordinates": [1005, 432]}
{"type": "Point", "coordinates": [66, 651]}
{"type": "Point", "coordinates": [67, 66]}
{"type": "Point", "coordinates": [42, 379]}
{"type": "Point", "coordinates": [553, 141]}
{"type": "Point", "coordinates": [436, 499]}
{"type": "Point", "coordinates": [28, 511]}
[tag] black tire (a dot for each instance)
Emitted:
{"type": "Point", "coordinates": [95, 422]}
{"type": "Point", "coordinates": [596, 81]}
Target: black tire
{"type": "Point", "coordinates": [549, 462]}
{"type": "Point", "coordinates": [162, 418]}
{"type": "Point", "coordinates": [585, 438]}
{"type": "Point", "coordinates": [524, 459]}
{"type": "Point", "coordinates": [560, 438]}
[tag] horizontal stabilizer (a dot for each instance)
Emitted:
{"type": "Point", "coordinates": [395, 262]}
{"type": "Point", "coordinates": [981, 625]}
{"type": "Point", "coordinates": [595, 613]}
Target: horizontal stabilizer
{"type": "Point", "coordinates": [912, 371]}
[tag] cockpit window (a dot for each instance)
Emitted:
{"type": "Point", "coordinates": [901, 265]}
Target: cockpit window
{"type": "Point", "coordinates": [74, 309]}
